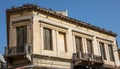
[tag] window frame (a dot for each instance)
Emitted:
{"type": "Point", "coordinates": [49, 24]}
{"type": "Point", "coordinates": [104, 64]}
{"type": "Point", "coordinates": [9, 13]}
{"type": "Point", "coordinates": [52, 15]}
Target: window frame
{"type": "Point", "coordinates": [102, 50]}
{"type": "Point", "coordinates": [111, 53]}
{"type": "Point", "coordinates": [91, 47]}
{"type": "Point", "coordinates": [65, 40]}
{"type": "Point", "coordinates": [21, 34]}
{"type": "Point", "coordinates": [45, 37]}
{"type": "Point", "coordinates": [80, 43]}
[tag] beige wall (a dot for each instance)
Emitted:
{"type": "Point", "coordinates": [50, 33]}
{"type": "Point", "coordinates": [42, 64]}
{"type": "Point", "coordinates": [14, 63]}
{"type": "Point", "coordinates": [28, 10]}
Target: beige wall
{"type": "Point", "coordinates": [56, 26]}
{"type": "Point", "coordinates": [85, 34]}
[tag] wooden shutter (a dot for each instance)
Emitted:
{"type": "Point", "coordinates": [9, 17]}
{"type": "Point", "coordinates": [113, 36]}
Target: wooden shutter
{"type": "Point", "coordinates": [111, 54]}
{"type": "Point", "coordinates": [47, 33]}
{"type": "Point", "coordinates": [89, 46]}
{"type": "Point", "coordinates": [62, 41]}
{"type": "Point", "coordinates": [21, 38]}
{"type": "Point", "coordinates": [102, 50]}
{"type": "Point", "coordinates": [78, 41]}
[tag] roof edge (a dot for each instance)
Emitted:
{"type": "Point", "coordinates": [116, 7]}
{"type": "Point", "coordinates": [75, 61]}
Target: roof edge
{"type": "Point", "coordinates": [32, 7]}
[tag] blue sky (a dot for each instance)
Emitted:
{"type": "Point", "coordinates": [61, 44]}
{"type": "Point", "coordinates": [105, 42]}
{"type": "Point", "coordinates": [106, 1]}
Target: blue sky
{"type": "Point", "coordinates": [101, 13]}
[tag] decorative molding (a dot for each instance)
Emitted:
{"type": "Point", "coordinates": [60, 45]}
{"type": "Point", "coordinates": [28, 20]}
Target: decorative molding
{"type": "Point", "coordinates": [53, 25]}
{"type": "Point", "coordinates": [31, 7]}
{"type": "Point", "coordinates": [104, 40]}
{"type": "Point", "coordinates": [51, 58]}
{"type": "Point", "coordinates": [83, 35]}
{"type": "Point", "coordinates": [20, 21]}
{"type": "Point", "coordinates": [109, 66]}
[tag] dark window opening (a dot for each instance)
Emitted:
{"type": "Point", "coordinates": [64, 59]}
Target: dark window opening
{"type": "Point", "coordinates": [102, 50]}
{"type": "Point", "coordinates": [111, 54]}
{"type": "Point", "coordinates": [21, 38]}
{"type": "Point", "coordinates": [47, 36]}
{"type": "Point", "coordinates": [89, 46]}
{"type": "Point", "coordinates": [79, 47]}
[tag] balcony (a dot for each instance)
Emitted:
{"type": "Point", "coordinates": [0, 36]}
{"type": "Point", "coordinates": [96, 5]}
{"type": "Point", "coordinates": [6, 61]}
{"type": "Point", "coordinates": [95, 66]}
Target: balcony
{"type": "Point", "coordinates": [87, 59]}
{"type": "Point", "coordinates": [82, 56]}
{"type": "Point", "coordinates": [18, 53]}
{"type": "Point", "coordinates": [97, 58]}
{"type": "Point", "coordinates": [21, 50]}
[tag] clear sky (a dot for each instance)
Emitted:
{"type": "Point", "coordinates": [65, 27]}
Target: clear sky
{"type": "Point", "coordinates": [101, 13]}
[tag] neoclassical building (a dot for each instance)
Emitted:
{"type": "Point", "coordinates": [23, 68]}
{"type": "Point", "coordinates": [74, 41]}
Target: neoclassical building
{"type": "Point", "coordinates": [40, 38]}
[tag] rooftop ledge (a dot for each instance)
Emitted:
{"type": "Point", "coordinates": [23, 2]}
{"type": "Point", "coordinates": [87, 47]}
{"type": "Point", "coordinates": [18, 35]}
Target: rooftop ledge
{"type": "Point", "coordinates": [59, 15]}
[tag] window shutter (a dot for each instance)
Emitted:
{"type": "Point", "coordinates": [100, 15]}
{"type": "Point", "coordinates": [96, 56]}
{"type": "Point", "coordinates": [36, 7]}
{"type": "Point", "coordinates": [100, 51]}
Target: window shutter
{"type": "Point", "coordinates": [102, 49]}
{"type": "Point", "coordinates": [47, 33]}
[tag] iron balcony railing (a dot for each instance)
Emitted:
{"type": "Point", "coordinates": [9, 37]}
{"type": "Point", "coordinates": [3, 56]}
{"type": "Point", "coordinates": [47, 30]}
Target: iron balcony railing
{"type": "Point", "coordinates": [88, 57]}
{"type": "Point", "coordinates": [98, 58]}
{"type": "Point", "coordinates": [17, 50]}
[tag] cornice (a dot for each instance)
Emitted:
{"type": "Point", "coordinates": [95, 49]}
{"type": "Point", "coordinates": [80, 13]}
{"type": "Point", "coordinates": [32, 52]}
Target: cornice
{"type": "Point", "coordinates": [51, 58]}
{"type": "Point", "coordinates": [31, 7]}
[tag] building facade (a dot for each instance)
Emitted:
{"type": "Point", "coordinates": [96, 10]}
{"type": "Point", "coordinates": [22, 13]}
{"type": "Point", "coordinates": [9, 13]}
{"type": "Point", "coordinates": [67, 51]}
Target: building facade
{"type": "Point", "coordinates": [40, 38]}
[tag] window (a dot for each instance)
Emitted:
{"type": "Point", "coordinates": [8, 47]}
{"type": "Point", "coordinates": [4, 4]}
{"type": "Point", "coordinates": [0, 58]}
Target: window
{"type": "Point", "coordinates": [102, 50]}
{"type": "Point", "coordinates": [62, 41]}
{"type": "Point", "coordinates": [111, 54]}
{"type": "Point", "coordinates": [47, 36]}
{"type": "Point", "coordinates": [21, 33]}
{"type": "Point", "coordinates": [79, 47]}
{"type": "Point", "coordinates": [89, 46]}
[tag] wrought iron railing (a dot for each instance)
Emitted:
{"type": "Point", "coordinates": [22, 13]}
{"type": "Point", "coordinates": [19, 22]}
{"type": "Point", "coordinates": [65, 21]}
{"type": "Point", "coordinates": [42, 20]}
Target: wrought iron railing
{"type": "Point", "coordinates": [98, 58]}
{"type": "Point", "coordinates": [83, 56]}
{"type": "Point", "coordinates": [16, 50]}
{"type": "Point", "coordinates": [88, 57]}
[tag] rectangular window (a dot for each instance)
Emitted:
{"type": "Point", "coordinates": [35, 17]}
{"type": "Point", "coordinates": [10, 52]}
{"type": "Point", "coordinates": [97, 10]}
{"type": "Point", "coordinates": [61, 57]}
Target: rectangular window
{"type": "Point", "coordinates": [102, 50]}
{"type": "Point", "coordinates": [62, 41]}
{"type": "Point", "coordinates": [89, 46]}
{"type": "Point", "coordinates": [79, 48]}
{"type": "Point", "coordinates": [78, 41]}
{"type": "Point", "coordinates": [47, 36]}
{"type": "Point", "coordinates": [21, 33]}
{"type": "Point", "coordinates": [111, 54]}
